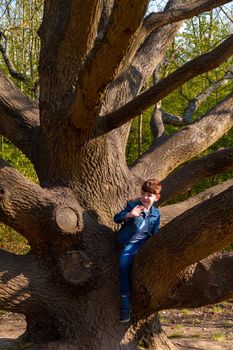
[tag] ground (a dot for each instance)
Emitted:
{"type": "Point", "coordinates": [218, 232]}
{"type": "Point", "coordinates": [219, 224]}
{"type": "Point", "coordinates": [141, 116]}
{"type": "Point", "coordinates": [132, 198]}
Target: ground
{"type": "Point", "coordinates": [205, 328]}
{"type": "Point", "coordinates": [190, 329]}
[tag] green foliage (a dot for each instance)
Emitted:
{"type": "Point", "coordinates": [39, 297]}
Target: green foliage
{"type": "Point", "coordinates": [17, 159]}
{"type": "Point", "coordinates": [9, 239]}
{"type": "Point", "coordinates": [12, 241]}
{"type": "Point", "coordinates": [20, 20]}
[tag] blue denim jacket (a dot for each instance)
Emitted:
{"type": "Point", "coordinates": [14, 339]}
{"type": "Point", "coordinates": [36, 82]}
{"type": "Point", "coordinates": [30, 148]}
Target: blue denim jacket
{"type": "Point", "coordinates": [130, 226]}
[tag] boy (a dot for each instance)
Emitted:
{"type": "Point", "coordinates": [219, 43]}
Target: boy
{"type": "Point", "coordinates": [140, 220]}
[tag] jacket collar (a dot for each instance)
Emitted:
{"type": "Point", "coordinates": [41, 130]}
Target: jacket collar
{"type": "Point", "coordinates": [153, 210]}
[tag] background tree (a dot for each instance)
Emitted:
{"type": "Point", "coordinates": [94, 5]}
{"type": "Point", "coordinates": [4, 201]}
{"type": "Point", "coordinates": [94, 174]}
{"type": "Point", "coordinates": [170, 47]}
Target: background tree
{"type": "Point", "coordinates": [95, 58]}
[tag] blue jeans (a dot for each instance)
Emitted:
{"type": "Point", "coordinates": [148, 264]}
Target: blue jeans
{"type": "Point", "coordinates": [125, 262]}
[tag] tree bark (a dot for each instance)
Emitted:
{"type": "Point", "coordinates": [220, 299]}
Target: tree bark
{"type": "Point", "coordinates": [215, 163]}
{"type": "Point", "coordinates": [169, 212]}
{"type": "Point", "coordinates": [207, 282]}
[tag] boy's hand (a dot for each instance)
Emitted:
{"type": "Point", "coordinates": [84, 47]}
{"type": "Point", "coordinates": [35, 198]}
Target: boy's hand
{"type": "Point", "coordinates": [135, 212]}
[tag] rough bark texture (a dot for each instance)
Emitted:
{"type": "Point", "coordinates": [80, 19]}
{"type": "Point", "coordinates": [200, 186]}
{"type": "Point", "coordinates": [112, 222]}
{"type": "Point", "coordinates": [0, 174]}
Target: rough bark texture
{"type": "Point", "coordinates": [91, 66]}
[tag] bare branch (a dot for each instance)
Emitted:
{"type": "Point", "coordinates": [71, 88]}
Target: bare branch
{"type": "Point", "coordinates": [195, 103]}
{"type": "Point", "coordinates": [156, 120]}
{"type": "Point", "coordinates": [187, 143]}
{"type": "Point", "coordinates": [127, 85]}
{"type": "Point", "coordinates": [10, 65]}
{"type": "Point", "coordinates": [125, 20]}
{"type": "Point", "coordinates": [182, 242]}
{"type": "Point", "coordinates": [19, 117]}
{"type": "Point", "coordinates": [160, 116]}
{"type": "Point", "coordinates": [172, 119]}
{"type": "Point", "coordinates": [197, 66]}
{"type": "Point", "coordinates": [157, 126]}
{"type": "Point", "coordinates": [186, 177]}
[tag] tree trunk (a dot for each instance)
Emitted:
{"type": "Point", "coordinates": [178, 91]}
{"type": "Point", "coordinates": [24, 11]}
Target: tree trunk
{"type": "Point", "coordinates": [90, 73]}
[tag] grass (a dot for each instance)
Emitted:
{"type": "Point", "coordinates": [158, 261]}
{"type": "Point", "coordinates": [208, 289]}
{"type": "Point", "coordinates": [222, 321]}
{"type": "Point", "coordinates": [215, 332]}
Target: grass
{"type": "Point", "coordinates": [218, 336]}
{"type": "Point", "coordinates": [176, 335]}
{"type": "Point", "coordinates": [228, 324]}
{"type": "Point", "coordinates": [196, 321]}
{"type": "Point", "coordinates": [179, 326]}
{"type": "Point", "coordinates": [13, 241]}
{"type": "Point", "coordinates": [164, 320]}
{"type": "Point", "coordinates": [185, 312]}
{"type": "Point", "coordinates": [217, 309]}
{"type": "Point", "coordinates": [196, 336]}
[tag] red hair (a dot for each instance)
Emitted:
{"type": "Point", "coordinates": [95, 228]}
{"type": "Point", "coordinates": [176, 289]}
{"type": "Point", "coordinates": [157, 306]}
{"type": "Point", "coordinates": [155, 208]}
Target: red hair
{"type": "Point", "coordinates": [151, 186]}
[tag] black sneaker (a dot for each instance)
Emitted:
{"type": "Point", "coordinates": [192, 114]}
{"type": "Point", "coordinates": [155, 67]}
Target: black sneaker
{"type": "Point", "coordinates": [125, 315]}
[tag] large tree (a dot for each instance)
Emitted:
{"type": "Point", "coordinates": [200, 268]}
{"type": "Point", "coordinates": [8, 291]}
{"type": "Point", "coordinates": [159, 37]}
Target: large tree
{"type": "Point", "coordinates": [95, 58]}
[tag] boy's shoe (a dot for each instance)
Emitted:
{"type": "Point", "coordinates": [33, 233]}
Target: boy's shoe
{"type": "Point", "coordinates": [125, 315]}
{"type": "Point", "coordinates": [125, 309]}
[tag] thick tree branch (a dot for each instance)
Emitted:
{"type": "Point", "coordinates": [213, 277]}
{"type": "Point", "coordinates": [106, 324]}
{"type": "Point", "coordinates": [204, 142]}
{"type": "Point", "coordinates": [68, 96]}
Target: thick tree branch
{"type": "Point", "coordinates": [19, 119]}
{"type": "Point", "coordinates": [186, 177]}
{"type": "Point", "coordinates": [107, 6]}
{"type": "Point", "coordinates": [171, 211]}
{"type": "Point", "coordinates": [151, 53]}
{"type": "Point", "coordinates": [156, 120]}
{"type": "Point", "coordinates": [192, 236]}
{"type": "Point", "coordinates": [125, 20]}
{"type": "Point", "coordinates": [157, 126]}
{"type": "Point", "coordinates": [187, 143]}
{"type": "Point", "coordinates": [172, 14]}
{"type": "Point", "coordinates": [36, 213]}
{"type": "Point", "coordinates": [64, 38]}
{"type": "Point", "coordinates": [159, 19]}
{"type": "Point", "coordinates": [197, 66]}
{"type": "Point", "coordinates": [207, 282]}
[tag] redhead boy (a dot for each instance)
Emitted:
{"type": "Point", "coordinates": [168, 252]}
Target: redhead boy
{"type": "Point", "coordinates": [140, 220]}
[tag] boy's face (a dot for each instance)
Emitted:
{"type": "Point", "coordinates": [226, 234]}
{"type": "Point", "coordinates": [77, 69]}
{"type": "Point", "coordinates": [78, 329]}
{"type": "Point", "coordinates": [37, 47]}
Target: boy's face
{"type": "Point", "coordinates": [148, 198]}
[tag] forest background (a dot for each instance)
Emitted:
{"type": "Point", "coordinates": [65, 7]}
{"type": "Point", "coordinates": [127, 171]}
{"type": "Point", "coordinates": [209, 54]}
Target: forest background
{"type": "Point", "coordinates": [19, 55]}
